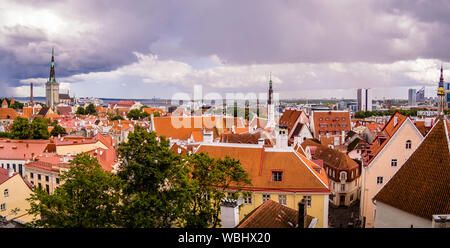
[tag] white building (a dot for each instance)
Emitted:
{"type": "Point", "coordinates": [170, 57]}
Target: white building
{"type": "Point", "coordinates": [364, 98]}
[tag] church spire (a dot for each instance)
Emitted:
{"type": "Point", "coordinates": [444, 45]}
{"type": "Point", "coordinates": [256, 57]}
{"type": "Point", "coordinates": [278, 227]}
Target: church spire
{"type": "Point", "coordinates": [270, 90]}
{"type": "Point", "coordinates": [441, 81]}
{"type": "Point", "coordinates": [52, 79]}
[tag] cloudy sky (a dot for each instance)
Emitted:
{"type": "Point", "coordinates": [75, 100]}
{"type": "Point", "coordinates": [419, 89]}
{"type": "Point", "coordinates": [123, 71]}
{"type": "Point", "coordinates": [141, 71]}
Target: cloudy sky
{"type": "Point", "coordinates": [146, 49]}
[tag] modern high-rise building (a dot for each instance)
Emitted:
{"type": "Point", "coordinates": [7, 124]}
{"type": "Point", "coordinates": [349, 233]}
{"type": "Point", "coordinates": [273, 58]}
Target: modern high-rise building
{"type": "Point", "coordinates": [364, 98]}
{"type": "Point", "coordinates": [420, 95]}
{"type": "Point", "coordinates": [52, 87]}
{"type": "Point", "coordinates": [412, 96]}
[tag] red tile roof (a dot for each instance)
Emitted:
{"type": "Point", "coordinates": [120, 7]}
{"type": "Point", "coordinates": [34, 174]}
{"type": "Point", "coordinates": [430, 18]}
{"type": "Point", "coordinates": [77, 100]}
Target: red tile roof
{"type": "Point", "coordinates": [335, 121]}
{"type": "Point", "coordinates": [272, 214]}
{"type": "Point", "coordinates": [22, 149]}
{"type": "Point", "coordinates": [422, 185]}
{"type": "Point", "coordinates": [331, 157]}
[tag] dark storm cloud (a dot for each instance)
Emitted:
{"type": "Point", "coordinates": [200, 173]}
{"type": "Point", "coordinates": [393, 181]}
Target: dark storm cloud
{"type": "Point", "coordinates": [239, 32]}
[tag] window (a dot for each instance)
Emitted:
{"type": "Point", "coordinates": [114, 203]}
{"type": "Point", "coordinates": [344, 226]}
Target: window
{"type": "Point", "coordinates": [307, 198]}
{"type": "Point", "coordinates": [356, 183]}
{"type": "Point", "coordinates": [351, 197]}
{"type": "Point", "coordinates": [265, 198]}
{"type": "Point", "coordinates": [3, 207]}
{"type": "Point", "coordinates": [408, 144]}
{"type": "Point", "coordinates": [46, 178]}
{"type": "Point", "coordinates": [379, 180]}
{"type": "Point", "coordinates": [3, 166]}
{"type": "Point", "coordinates": [248, 199]}
{"type": "Point", "coordinates": [337, 118]}
{"type": "Point", "coordinates": [393, 162]}
{"type": "Point", "coordinates": [39, 176]}
{"type": "Point", "coordinates": [47, 188]}
{"type": "Point", "coordinates": [282, 199]}
{"type": "Point", "coordinates": [20, 169]}
{"type": "Point", "coordinates": [343, 175]}
{"type": "Point", "coordinates": [7, 166]}
{"type": "Point", "coordinates": [57, 180]}
{"type": "Point", "coordinates": [39, 185]}
{"type": "Point", "coordinates": [31, 175]}
{"type": "Point", "coordinates": [342, 187]}
{"type": "Point", "coordinates": [277, 176]}
{"type": "Point", "coordinates": [6, 193]}
{"type": "Point", "coordinates": [14, 167]}
{"type": "Point", "coordinates": [32, 182]}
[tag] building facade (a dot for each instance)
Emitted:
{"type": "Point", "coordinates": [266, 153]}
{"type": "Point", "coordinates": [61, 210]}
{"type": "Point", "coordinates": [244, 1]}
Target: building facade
{"type": "Point", "coordinates": [364, 99]}
{"type": "Point", "coordinates": [388, 152]}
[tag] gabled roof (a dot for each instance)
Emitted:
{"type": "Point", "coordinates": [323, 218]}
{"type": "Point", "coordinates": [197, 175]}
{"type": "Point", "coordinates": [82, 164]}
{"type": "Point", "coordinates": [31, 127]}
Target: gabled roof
{"type": "Point", "coordinates": [299, 174]}
{"type": "Point", "coordinates": [289, 118]}
{"type": "Point", "coordinates": [272, 214]}
{"type": "Point", "coordinates": [383, 137]}
{"type": "Point", "coordinates": [422, 185]}
{"type": "Point", "coordinates": [8, 113]}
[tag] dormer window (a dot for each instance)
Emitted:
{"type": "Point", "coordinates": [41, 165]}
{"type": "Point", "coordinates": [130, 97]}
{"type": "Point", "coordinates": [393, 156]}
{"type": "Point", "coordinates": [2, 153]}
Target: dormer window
{"type": "Point", "coordinates": [343, 175]}
{"type": "Point", "coordinates": [395, 121]}
{"type": "Point", "coordinates": [277, 176]}
{"type": "Point", "coordinates": [408, 144]}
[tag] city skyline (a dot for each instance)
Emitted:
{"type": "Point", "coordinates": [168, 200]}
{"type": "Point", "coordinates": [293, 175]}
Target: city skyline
{"type": "Point", "coordinates": [157, 49]}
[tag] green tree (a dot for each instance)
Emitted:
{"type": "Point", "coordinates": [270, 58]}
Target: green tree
{"type": "Point", "coordinates": [136, 114]}
{"type": "Point", "coordinates": [21, 129]}
{"type": "Point", "coordinates": [156, 114]}
{"type": "Point", "coordinates": [209, 178]}
{"type": "Point", "coordinates": [58, 130]}
{"type": "Point", "coordinates": [16, 105]}
{"type": "Point", "coordinates": [116, 117]}
{"type": "Point", "coordinates": [80, 111]}
{"type": "Point", "coordinates": [156, 181]}
{"type": "Point", "coordinates": [39, 128]}
{"type": "Point", "coordinates": [90, 109]}
{"type": "Point", "coordinates": [88, 198]}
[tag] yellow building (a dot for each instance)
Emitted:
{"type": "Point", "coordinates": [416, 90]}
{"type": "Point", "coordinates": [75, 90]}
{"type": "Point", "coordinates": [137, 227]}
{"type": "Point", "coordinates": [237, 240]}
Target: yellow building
{"type": "Point", "coordinates": [14, 191]}
{"type": "Point", "coordinates": [283, 175]}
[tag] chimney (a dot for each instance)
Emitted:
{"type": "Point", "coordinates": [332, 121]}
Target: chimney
{"type": "Point", "coordinates": [261, 141]}
{"type": "Point", "coordinates": [207, 136]}
{"type": "Point", "coordinates": [282, 137]}
{"type": "Point", "coordinates": [229, 213]}
{"type": "Point", "coordinates": [302, 214]}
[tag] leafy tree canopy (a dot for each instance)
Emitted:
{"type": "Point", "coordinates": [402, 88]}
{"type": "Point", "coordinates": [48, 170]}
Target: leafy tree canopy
{"type": "Point", "coordinates": [88, 198]}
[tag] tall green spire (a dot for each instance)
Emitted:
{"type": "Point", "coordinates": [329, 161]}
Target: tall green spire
{"type": "Point", "coordinates": [52, 68]}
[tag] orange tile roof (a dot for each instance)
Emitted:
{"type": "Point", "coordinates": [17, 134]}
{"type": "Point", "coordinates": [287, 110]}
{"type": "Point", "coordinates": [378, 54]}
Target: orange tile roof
{"type": "Point", "coordinates": [422, 185]}
{"type": "Point", "coordinates": [8, 113]}
{"type": "Point", "coordinates": [152, 110]}
{"type": "Point", "coordinates": [298, 173]}
{"type": "Point", "coordinates": [272, 214]}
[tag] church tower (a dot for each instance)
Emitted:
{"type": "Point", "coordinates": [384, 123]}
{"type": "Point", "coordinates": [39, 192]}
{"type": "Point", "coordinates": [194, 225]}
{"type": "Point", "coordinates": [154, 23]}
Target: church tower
{"type": "Point", "coordinates": [441, 94]}
{"type": "Point", "coordinates": [52, 87]}
{"type": "Point", "coordinates": [270, 107]}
